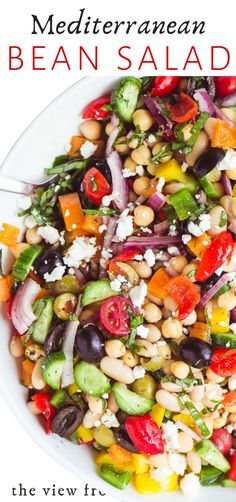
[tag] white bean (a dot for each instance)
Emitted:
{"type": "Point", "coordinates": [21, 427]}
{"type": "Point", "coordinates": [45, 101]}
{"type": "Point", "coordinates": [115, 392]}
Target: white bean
{"type": "Point", "coordinates": [33, 408]}
{"type": "Point", "coordinates": [199, 148]}
{"type": "Point", "coordinates": [167, 400]}
{"type": "Point", "coordinates": [116, 369]}
{"type": "Point", "coordinates": [38, 381]}
{"type": "Point", "coordinates": [111, 403]}
{"type": "Point", "coordinates": [147, 349]}
{"type": "Point", "coordinates": [194, 461]}
{"type": "Point", "coordinates": [16, 347]}
{"type": "Point", "coordinates": [89, 419]}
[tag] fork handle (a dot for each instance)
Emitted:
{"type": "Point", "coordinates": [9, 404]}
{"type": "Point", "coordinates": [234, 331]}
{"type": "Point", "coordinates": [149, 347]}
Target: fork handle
{"type": "Point", "coordinates": [12, 185]}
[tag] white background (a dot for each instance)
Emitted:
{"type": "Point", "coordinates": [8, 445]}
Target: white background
{"type": "Point", "coordinates": [23, 95]}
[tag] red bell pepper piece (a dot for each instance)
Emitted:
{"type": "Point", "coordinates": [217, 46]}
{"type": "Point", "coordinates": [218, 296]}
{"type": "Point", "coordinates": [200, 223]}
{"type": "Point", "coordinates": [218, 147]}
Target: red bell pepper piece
{"type": "Point", "coordinates": [145, 434]}
{"type": "Point", "coordinates": [95, 109]}
{"type": "Point", "coordinates": [185, 294]}
{"type": "Point", "coordinates": [223, 363]}
{"type": "Point", "coordinates": [126, 255]}
{"type": "Point", "coordinates": [42, 401]}
{"type": "Point", "coordinates": [215, 256]}
{"type": "Point", "coordinates": [184, 109]}
{"type": "Point", "coordinates": [232, 471]}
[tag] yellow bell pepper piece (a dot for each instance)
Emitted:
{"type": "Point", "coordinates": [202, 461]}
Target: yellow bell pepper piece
{"type": "Point", "coordinates": [171, 171]}
{"type": "Point", "coordinates": [72, 389]}
{"type": "Point", "coordinates": [145, 485]}
{"type": "Point", "coordinates": [140, 463]}
{"type": "Point", "coordinates": [170, 484]}
{"type": "Point", "coordinates": [85, 434]}
{"type": "Point", "coordinates": [157, 414]}
{"type": "Point", "coordinates": [219, 320]}
{"type": "Point", "coordinates": [185, 419]}
{"type": "Point", "coordinates": [105, 458]}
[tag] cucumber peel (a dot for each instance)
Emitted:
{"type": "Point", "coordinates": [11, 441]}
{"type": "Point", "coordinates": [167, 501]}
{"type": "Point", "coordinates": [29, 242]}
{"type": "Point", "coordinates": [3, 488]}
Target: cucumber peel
{"type": "Point", "coordinates": [24, 262]}
{"type": "Point", "coordinates": [97, 291]}
{"type": "Point", "coordinates": [52, 369]}
{"type": "Point", "coordinates": [125, 96]}
{"type": "Point", "coordinates": [227, 340]}
{"type": "Point", "coordinates": [209, 452]}
{"type": "Point", "coordinates": [130, 402]}
{"type": "Point", "coordinates": [90, 379]}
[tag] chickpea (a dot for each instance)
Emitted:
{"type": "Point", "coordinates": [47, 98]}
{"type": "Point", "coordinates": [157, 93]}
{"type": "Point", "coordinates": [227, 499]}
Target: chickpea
{"type": "Point", "coordinates": [143, 119]}
{"type": "Point", "coordinates": [146, 349]}
{"type": "Point", "coordinates": [151, 169]}
{"type": "Point", "coordinates": [164, 350]}
{"type": "Point", "coordinates": [229, 204]}
{"type": "Point", "coordinates": [130, 359]}
{"type": "Point", "coordinates": [32, 236]}
{"type": "Point", "coordinates": [166, 313]}
{"type": "Point", "coordinates": [141, 155]}
{"type": "Point", "coordinates": [143, 216]}
{"type": "Point", "coordinates": [185, 442]}
{"type": "Point", "coordinates": [91, 129]}
{"type": "Point", "coordinates": [180, 369]}
{"type": "Point", "coordinates": [130, 164]}
{"type": "Point", "coordinates": [219, 188]}
{"type": "Point", "coordinates": [220, 422]}
{"type": "Point", "coordinates": [109, 127]}
{"type": "Point", "coordinates": [157, 149]}
{"type": "Point", "coordinates": [172, 188]}
{"type": "Point", "coordinates": [111, 403]}
{"type": "Point", "coordinates": [190, 319]}
{"type": "Point", "coordinates": [31, 405]}
{"type": "Point", "coordinates": [214, 175]}
{"type": "Point", "coordinates": [172, 328]}
{"type": "Point", "coordinates": [154, 333]}
{"type": "Point", "coordinates": [96, 405]}
{"type": "Point", "coordinates": [152, 313]}
{"type": "Point", "coordinates": [190, 269]}
{"type": "Point", "coordinates": [227, 300]}
{"type": "Point", "coordinates": [121, 145]}
{"type": "Point", "coordinates": [142, 268]}
{"type": "Point", "coordinates": [155, 299]}
{"type": "Point", "coordinates": [199, 147]}
{"type": "Point", "coordinates": [170, 304]}
{"type": "Point", "coordinates": [115, 348]}
{"type": "Point", "coordinates": [218, 215]}
{"type": "Point", "coordinates": [209, 126]}
{"type": "Point", "coordinates": [141, 184]}
{"type": "Point", "coordinates": [213, 377]}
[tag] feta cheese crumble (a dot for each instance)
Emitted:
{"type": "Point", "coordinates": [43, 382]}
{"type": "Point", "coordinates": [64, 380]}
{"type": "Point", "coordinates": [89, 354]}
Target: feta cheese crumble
{"type": "Point", "coordinates": [24, 202]}
{"type": "Point", "coordinates": [138, 293]}
{"type": "Point", "coordinates": [160, 184]}
{"type": "Point", "coordinates": [232, 382]}
{"type": "Point", "coordinates": [228, 162]}
{"type": "Point", "coordinates": [150, 257]}
{"type": "Point", "coordinates": [138, 372]}
{"type": "Point", "coordinates": [88, 149]}
{"type": "Point", "coordinates": [190, 485]}
{"type": "Point", "coordinates": [186, 238]}
{"type": "Point", "coordinates": [173, 251]}
{"type": "Point", "coordinates": [124, 225]}
{"type": "Point", "coordinates": [116, 285]}
{"type": "Point", "coordinates": [109, 419]}
{"type": "Point", "coordinates": [83, 248]}
{"type": "Point", "coordinates": [178, 463]}
{"type": "Point", "coordinates": [30, 222]}
{"type": "Point", "coordinates": [49, 234]}
{"type": "Point", "coordinates": [170, 435]}
{"type": "Point", "coordinates": [161, 473]}
{"type": "Point", "coordinates": [142, 331]}
{"type": "Point", "coordinates": [56, 274]}
{"type": "Point", "coordinates": [102, 228]}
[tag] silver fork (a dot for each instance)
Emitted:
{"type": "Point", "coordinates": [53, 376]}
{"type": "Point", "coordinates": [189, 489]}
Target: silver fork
{"type": "Point", "coordinates": [13, 185]}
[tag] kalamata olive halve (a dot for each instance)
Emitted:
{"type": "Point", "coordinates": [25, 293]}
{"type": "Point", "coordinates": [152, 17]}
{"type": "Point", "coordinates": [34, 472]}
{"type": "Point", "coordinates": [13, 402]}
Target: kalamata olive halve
{"type": "Point", "coordinates": [207, 161]}
{"type": "Point", "coordinates": [124, 440]}
{"type": "Point", "coordinates": [54, 339]}
{"type": "Point", "coordinates": [47, 261]}
{"type": "Point", "coordinates": [90, 344]}
{"type": "Point", "coordinates": [196, 352]}
{"type": "Point", "coordinates": [67, 420]}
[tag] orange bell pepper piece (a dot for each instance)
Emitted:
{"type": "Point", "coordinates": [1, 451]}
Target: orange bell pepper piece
{"type": "Point", "coordinates": [43, 293]}
{"type": "Point", "coordinates": [27, 370]}
{"type": "Point", "coordinates": [91, 224]}
{"type": "Point", "coordinates": [9, 234]}
{"type": "Point", "coordinates": [197, 245]}
{"type": "Point", "coordinates": [5, 287]}
{"type": "Point", "coordinates": [200, 330]}
{"type": "Point", "coordinates": [119, 455]}
{"type": "Point", "coordinates": [71, 210]}
{"type": "Point", "coordinates": [223, 136]}
{"type": "Point", "coordinates": [157, 284]}
{"type": "Point", "coordinates": [78, 141]}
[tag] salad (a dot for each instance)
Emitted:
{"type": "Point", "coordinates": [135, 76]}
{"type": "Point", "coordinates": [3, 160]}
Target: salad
{"type": "Point", "coordinates": [122, 297]}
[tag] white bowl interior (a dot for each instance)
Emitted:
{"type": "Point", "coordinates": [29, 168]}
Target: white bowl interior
{"type": "Point", "coordinates": [45, 138]}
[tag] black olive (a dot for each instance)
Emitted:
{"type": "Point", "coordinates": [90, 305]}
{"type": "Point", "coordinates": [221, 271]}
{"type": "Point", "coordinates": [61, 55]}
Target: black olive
{"type": "Point", "coordinates": [207, 161]}
{"type": "Point", "coordinates": [54, 339]}
{"type": "Point", "coordinates": [196, 352]}
{"type": "Point", "coordinates": [207, 83]}
{"type": "Point", "coordinates": [47, 261]}
{"type": "Point", "coordinates": [89, 343]}
{"type": "Point", "coordinates": [104, 169]}
{"type": "Point", "coordinates": [124, 440]}
{"type": "Point", "coordinates": [67, 420]}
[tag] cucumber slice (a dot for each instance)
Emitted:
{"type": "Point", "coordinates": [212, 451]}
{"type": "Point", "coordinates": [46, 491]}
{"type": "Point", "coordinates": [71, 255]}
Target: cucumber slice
{"type": "Point", "coordinates": [25, 261]}
{"type": "Point", "coordinates": [59, 398]}
{"type": "Point", "coordinates": [210, 475]}
{"type": "Point", "coordinates": [227, 340]}
{"type": "Point", "coordinates": [196, 416]}
{"type": "Point", "coordinates": [210, 453]}
{"type": "Point", "coordinates": [183, 203]}
{"type": "Point", "coordinates": [209, 188]}
{"type": "Point", "coordinates": [52, 368]}
{"type": "Point", "coordinates": [43, 310]}
{"type": "Point", "coordinates": [130, 402]}
{"type": "Point", "coordinates": [228, 483]}
{"type": "Point", "coordinates": [97, 291]}
{"type": "Point", "coordinates": [125, 96]}
{"type": "Point", "coordinates": [90, 379]}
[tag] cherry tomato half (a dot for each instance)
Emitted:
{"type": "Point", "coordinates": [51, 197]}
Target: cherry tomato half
{"type": "Point", "coordinates": [114, 316]}
{"type": "Point", "coordinates": [145, 434]}
{"type": "Point", "coordinates": [223, 362]}
{"type": "Point", "coordinates": [230, 398]}
{"type": "Point", "coordinates": [164, 86]}
{"type": "Point", "coordinates": [184, 109]}
{"type": "Point", "coordinates": [215, 256]}
{"type": "Point", "coordinates": [223, 440]}
{"type": "Point", "coordinates": [225, 86]}
{"type": "Point", "coordinates": [232, 471]}
{"type": "Point", "coordinates": [95, 186]}
{"type": "Point", "coordinates": [185, 294]}
{"type": "Point", "coordinates": [95, 109]}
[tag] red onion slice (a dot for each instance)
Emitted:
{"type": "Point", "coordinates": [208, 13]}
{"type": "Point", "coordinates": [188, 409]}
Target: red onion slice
{"type": "Point", "coordinates": [206, 105]}
{"type": "Point", "coordinates": [209, 294]}
{"type": "Point", "coordinates": [161, 227]}
{"type": "Point", "coordinates": [68, 348]}
{"type": "Point", "coordinates": [227, 184]}
{"type": "Point", "coordinates": [156, 201]}
{"type": "Point", "coordinates": [22, 313]}
{"type": "Point", "coordinates": [157, 114]}
{"type": "Point", "coordinates": [111, 140]}
{"type": "Point", "coordinates": [120, 190]}
{"type": "Point", "coordinates": [152, 241]}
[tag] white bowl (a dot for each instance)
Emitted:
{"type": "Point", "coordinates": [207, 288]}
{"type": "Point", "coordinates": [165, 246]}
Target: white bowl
{"type": "Point", "coordinates": [46, 137]}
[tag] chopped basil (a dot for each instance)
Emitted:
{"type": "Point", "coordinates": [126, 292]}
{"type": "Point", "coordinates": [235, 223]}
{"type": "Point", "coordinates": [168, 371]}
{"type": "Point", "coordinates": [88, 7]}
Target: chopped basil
{"type": "Point", "coordinates": [223, 219]}
{"type": "Point", "coordinates": [135, 321]}
{"type": "Point", "coordinates": [186, 146]}
{"type": "Point", "coordinates": [101, 212]}
{"type": "Point", "coordinates": [65, 168]}
{"type": "Point", "coordinates": [146, 84]}
{"type": "Point", "coordinates": [185, 382]}
{"type": "Point", "coordinates": [94, 184]}
{"type": "Point", "coordinates": [191, 273]}
{"type": "Point", "coordinates": [163, 153]}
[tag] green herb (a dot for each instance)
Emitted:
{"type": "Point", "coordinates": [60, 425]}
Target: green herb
{"type": "Point", "coordinates": [185, 382]}
{"type": "Point", "coordinates": [170, 213]}
{"type": "Point", "coordinates": [186, 146]}
{"type": "Point", "coordinates": [191, 273]}
{"type": "Point", "coordinates": [165, 150]}
{"type": "Point", "coordinates": [106, 108]}
{"type": "Point", "coordinates": [94, 184]}
{"type": "Point", "coordinates": [65, 168]}
{"type": "Point", "coordinates": [146, 84]}
{"type": "Point", "coordinates": [196, 415]}
{"type": "Point", "coordinates": [135, 321]}
{"type": "Point", "coordinates": [1, 269]}
{"type": "Point", "coordinates": [61, 159]}
{"type": "Point", "coordinates": [175, 348]}
{"type": "Point", "coordinates": [168, 414]}
{"type": "Point", "coordinates": [73, 317]}
{"type": "Point", "coordinates": [74, 437]}
{"type": "Point", "coordinates": [101, 212]}
{"type": "Point", "coordinates": [223, 219]}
